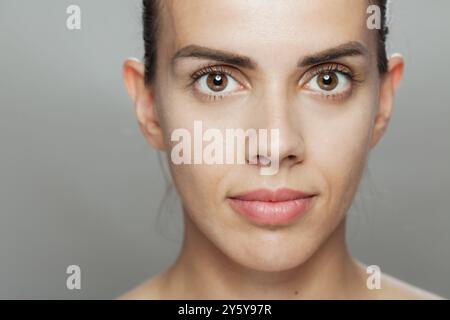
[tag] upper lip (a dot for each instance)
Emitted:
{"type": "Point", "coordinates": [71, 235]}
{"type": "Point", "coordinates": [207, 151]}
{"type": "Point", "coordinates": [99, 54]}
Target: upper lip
{"type": "Point", "coordinates": [267, 195]}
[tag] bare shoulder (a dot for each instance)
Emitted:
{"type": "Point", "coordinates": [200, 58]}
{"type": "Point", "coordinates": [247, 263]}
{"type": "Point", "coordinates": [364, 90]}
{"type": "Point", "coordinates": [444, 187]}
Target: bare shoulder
{"type": "Point", "coordinates": [151, 289]}
{"type": "Point", "coordinates": [396, 289]}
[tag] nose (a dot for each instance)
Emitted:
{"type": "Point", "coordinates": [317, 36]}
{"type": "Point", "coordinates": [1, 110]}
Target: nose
{"type": "Point", "coordinates": [279, 119]}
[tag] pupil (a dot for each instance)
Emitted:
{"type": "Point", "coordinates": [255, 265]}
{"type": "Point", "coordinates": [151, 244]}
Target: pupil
{"type": "Point", "coordinates": [217, 80]}
{"type": "Point", "coordinates": [327, 80]}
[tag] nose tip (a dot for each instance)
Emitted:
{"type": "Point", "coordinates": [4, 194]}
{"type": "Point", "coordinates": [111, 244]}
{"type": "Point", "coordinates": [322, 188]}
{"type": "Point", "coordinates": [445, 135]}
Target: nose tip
{"type": "Point", "coordinates": [275, 150]}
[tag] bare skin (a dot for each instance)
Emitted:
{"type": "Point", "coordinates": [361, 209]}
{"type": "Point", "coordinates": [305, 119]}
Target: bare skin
{"type": "Point", "coordinates": [326, 136]}
{"type": "Point", "coordinates": [172, 284]}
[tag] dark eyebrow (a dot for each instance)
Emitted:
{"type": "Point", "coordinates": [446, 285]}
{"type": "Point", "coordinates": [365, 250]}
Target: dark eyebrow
{"type": "Point", "coordinates": [352, 48]}
{"type": "Point", "coordinates": [196, 51]}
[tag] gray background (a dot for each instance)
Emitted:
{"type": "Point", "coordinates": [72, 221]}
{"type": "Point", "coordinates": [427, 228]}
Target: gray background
{"type": "Point", "coordinates": [79, 184]}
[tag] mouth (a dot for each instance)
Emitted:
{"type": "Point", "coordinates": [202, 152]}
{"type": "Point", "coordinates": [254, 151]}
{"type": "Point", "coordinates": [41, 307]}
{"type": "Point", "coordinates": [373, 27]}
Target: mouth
{"type": "Point", "coordinates": [273, 208]}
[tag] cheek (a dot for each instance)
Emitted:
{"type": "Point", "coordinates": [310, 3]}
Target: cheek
{"type": "Point", "coordinates": [338, 149]}
{"type": "Point", "coordinates": [202, 187]}
{"type": "Point", "coordinates": [198, 185]}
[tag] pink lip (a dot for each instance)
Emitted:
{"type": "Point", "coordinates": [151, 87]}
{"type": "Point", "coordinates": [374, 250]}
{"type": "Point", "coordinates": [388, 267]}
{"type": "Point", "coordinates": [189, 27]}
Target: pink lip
{"type": "Point", "coordinates": [267, 207]}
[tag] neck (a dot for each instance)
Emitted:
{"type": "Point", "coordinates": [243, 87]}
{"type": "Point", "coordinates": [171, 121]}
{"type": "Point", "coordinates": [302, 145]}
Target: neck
{"type": "Point", "coordinates": [326, 274]}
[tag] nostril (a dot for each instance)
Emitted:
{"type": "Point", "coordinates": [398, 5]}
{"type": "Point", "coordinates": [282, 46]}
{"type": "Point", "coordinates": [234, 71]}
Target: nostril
{"type": "Point", "coordinates": [263, 160]}
{"type": "Point", "coordinates": [292, 157]}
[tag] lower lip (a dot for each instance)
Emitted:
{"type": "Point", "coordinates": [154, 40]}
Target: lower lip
{"type": "Point", "coordinates": [272, 213]}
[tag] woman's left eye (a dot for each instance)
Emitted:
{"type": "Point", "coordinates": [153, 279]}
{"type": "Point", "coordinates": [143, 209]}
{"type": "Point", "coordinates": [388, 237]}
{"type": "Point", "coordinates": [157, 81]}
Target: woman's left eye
{"type": "Point", "coordinates": [217, 84]}
{"type": "Point", "coordinates": [329, 83]}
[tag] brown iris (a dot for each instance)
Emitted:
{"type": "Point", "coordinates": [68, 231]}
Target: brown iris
{"type": "Point", "coordinates": [327, 81]}
{"type": "Point", "coordinates": [217, 81]}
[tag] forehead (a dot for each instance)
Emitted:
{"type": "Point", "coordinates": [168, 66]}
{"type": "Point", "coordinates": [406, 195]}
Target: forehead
{"type": "Point", "coordinates": [266, 25]}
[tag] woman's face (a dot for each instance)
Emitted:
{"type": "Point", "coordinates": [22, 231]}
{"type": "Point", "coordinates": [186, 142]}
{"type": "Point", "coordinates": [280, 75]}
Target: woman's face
{"type": "Point", "coordinates": [307, 68]}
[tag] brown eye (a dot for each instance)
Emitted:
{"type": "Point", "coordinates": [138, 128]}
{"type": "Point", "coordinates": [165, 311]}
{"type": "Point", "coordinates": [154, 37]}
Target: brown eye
{"type": "Point", "coordinates": [217, 81]}
{"type": "Point", "coordinates": [327, 81]}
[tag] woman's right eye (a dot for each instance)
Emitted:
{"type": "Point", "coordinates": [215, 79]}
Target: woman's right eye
{"type": "Point", "coordinates": [213, 85]}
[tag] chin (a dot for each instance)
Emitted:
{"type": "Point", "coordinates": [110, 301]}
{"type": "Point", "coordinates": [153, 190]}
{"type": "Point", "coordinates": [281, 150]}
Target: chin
{"type": "Point", "coordinates": [262, 264]}
{"type": "Point", "coordinates": [273, 257]}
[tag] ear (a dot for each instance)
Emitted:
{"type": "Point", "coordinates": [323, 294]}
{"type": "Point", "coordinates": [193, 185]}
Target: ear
{"type": "Point", "coordinates": [143, 99]}
{"type": "Point", "coordinates": [388, 88]}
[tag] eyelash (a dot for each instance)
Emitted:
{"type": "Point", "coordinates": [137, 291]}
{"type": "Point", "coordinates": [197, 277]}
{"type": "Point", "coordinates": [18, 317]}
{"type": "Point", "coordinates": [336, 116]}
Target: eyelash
{"type": "Point", "coordinates": [353, 77]}
{"type": "Point", "coordinates": [208, 69]}
{"type": "Point", "coordinates": [334, 67]}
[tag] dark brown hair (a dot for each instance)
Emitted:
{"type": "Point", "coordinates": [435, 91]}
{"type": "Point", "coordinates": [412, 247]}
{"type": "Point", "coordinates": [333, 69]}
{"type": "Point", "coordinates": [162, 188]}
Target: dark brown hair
{"type": "Point", "coordinates": [151, 28]}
